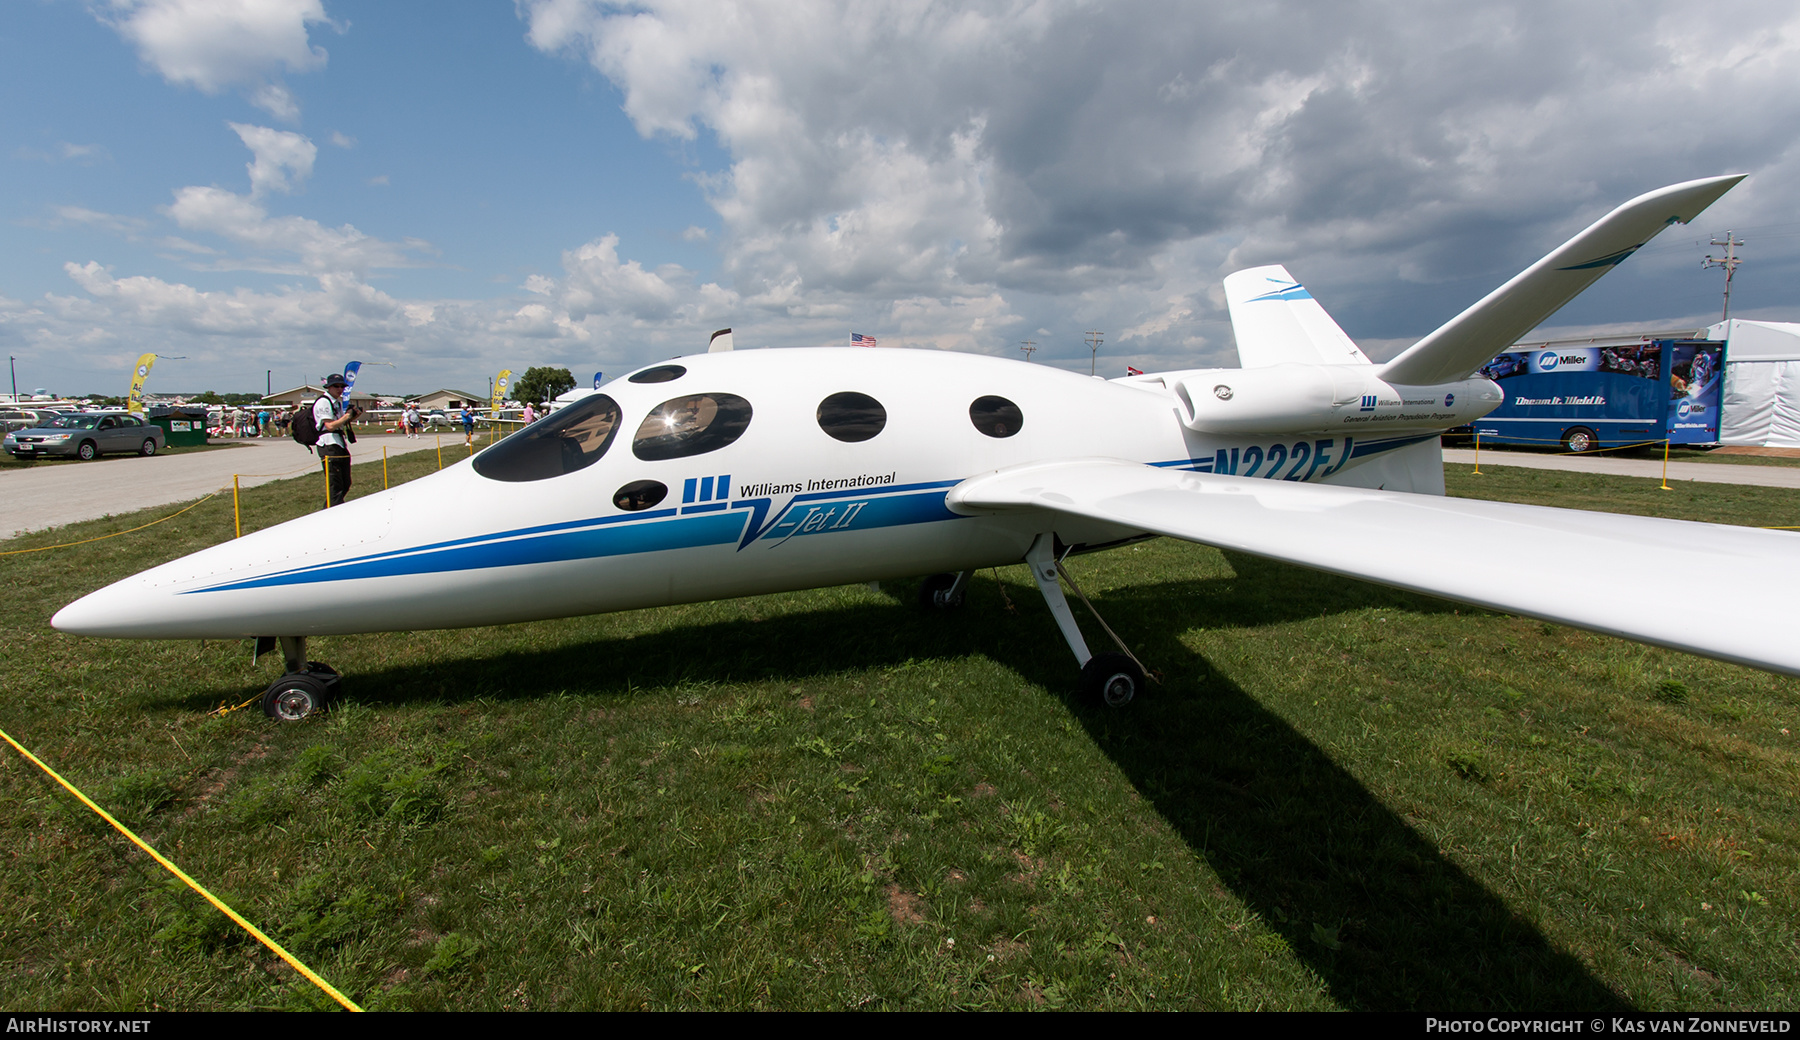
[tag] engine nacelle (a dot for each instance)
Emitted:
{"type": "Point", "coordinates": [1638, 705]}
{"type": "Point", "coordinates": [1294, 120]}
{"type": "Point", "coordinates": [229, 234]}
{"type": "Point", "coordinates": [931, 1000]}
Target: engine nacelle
{"type": "Point", "coordinates": [1324, 399]}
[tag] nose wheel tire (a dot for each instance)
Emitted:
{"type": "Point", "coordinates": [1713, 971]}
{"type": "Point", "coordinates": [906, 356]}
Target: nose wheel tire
{"type": "Point", "coordinates": [939, 592]}
{"type": "Point", "coordinates": [299, 695]}
{"type": "Point", "coordinates": [1112, 680]}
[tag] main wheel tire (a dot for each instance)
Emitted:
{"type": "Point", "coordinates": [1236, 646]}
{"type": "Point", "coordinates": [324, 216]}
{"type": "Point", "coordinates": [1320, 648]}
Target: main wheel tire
{"type": "Point", "coordinates": [296, 696]}
{"type": "Point", "coordinates": [149, 447]}
{"type": "Point", "coordinates": [935, 593]}
{"type": "Point", "coordinates": [1113, 680]}
{"type": "Point", "coordinates": [88, 451]}
{"type": "Point", "coordinates": [1579, 439]}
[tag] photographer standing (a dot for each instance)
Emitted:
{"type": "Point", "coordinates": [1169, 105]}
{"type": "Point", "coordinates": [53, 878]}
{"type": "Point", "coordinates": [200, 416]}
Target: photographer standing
{"type": "Point", "coordinates": [333, 415]}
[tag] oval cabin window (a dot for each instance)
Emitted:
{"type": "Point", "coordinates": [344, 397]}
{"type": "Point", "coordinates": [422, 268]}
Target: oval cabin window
{"type": "Point", "coordinates": [851, 417]}
{"type": "Point", "coordinates": [692, 425]}
{"type": "Point", "coordinates": [640, 494]}
{"type": "Point", "coordinates": [996, 416]}
{"type": "Point", "coordinates": [659, 374]}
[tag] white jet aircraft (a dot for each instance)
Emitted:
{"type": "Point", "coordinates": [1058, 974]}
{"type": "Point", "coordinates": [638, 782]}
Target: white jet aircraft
{"type": "Point", "coordinates": [737, 473]}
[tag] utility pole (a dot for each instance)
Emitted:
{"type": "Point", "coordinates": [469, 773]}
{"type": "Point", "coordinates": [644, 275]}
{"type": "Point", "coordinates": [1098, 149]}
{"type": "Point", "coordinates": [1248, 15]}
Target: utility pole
{"type": "Point", "coordinates": [268, 382]}
{"type": "Point", "coordinates": [1028, 345]}
{"type": "Point", "coordinates": [1729, 263]}
{"type": "Point", "coordinates": [1094, 339]}
{"type": "Point", "coordinates": [12, 363]}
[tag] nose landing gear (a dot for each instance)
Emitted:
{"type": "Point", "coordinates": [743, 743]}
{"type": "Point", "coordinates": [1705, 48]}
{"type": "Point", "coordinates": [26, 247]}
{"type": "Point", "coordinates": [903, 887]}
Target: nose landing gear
{"type": "Point", "coordinates": [308, 687]}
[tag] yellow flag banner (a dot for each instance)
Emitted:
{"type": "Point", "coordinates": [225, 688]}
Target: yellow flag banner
{"type": "Point", "coordinates": [138, 375]}
{"type": "Point", "coordinates": [500, 390]}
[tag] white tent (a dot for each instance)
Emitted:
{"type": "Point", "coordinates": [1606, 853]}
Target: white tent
{"type": "Point", "coordinates": [1761, 404]}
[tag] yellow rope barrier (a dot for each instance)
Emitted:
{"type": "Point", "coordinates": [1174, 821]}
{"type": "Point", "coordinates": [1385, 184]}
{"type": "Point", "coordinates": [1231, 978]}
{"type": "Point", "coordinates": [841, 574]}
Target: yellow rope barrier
{"type": "Point", "coordinates": [101, 538]}
{"type": "Point", "coordinates": [223, 710]}
{"type": "Point", "coordinates": [1519, 439]}
{"type": "Point", "coordinates": [311, 976]}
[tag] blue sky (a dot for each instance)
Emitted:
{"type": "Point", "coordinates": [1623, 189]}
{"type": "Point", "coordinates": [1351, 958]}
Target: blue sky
{"type": "Point", "coordinates": [457, 188]}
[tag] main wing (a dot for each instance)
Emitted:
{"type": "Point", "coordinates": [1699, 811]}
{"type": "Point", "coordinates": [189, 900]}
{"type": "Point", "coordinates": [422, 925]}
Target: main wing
{"type": "Point", "coordinates": [1599, 571]}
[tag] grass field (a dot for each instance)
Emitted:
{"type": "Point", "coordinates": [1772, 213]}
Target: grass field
{"type": "Point", "coordinates": [1339, 796]}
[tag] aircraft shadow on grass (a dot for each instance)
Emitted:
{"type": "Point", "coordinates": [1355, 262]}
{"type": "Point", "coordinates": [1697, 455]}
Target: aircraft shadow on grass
{"type": "Point", "coordinates": [1299, 840]}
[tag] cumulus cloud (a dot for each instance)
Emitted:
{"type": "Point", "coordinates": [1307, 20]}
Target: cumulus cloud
{"type": "Point", "coordinates": [599, 282]}
{"type": "Point", "coordinates": [279, 156]}
{"type": "Point", "coordinates": [958, 175]}
{"type": "Point", "coordinates": [1062, 154]}
{"type": "Point", "coordinates": [215, 45]}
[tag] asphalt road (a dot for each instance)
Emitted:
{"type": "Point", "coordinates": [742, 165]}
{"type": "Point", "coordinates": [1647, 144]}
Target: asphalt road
{"type": "Point", "coordinates": [55, 493]}
{"type": "Point", "coordinates": [50, 494]}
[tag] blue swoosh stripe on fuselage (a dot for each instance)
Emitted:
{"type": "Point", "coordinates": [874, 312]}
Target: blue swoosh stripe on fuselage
{"type": "Point", "coordinates": [657, 536]}
{"type": "Point", "coordinates": [588, 539]}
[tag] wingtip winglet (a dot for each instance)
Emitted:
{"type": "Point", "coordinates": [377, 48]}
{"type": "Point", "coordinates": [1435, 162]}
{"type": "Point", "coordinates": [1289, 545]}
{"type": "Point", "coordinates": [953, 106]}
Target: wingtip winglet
{"type": "Point", "coordinates": [1494, 323]}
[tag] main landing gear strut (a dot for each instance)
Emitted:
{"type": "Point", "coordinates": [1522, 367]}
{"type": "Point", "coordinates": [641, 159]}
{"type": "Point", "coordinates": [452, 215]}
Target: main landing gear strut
{"type": "Point", "coordinates": [307, 688]}
{"type": "Point", "coordinates": [1112, 679]}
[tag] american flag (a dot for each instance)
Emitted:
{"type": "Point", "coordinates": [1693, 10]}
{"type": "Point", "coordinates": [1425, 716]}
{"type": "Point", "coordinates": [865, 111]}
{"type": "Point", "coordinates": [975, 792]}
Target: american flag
{"type": "Point", "coordinates": [857, 339]}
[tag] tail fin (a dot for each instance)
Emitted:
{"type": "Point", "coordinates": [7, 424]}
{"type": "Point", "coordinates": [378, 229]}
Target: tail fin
{"type": "Point", "coordinates": [1276, 321]}
{"type": "Point", "coordinates": [1469, 340]}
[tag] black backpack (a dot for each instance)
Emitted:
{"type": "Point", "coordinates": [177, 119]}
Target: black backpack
{"type": "Point", "coordinates": [306, 427]}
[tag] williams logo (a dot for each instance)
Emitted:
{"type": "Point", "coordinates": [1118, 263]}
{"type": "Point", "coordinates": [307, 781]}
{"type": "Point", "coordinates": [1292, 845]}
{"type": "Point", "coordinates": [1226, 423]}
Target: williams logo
{"type": "Point", "coordinates": [1368, 403]}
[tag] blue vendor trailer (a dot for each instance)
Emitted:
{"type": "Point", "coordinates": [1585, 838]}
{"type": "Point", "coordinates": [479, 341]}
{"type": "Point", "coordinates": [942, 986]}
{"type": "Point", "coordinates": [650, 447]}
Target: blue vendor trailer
{"type": "Point", "coordinates": [1587, 394]}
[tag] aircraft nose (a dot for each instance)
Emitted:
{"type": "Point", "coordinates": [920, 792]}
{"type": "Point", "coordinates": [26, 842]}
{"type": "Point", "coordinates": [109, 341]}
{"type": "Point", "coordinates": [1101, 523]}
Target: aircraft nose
{"type": "Point", "coordinates": [129, 609]}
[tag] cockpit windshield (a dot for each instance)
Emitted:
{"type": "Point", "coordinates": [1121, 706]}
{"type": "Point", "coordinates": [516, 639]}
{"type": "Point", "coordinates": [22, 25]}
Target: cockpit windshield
{"type": "Point", "coordinates": [562, 442]}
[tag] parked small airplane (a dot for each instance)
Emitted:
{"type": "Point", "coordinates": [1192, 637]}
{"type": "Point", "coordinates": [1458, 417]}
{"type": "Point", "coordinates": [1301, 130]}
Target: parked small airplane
{"type": "Point", "coordinates": [770, 470]}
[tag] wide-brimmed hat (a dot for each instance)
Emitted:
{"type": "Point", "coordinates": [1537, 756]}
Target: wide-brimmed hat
{"type": "Point", "coordinates": [335, 380]}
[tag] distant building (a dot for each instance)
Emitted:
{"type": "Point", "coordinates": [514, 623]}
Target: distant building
{"type": "Point", "coordinates": [447, 400]}
{"type": "Point", "coordinates": [303, 394]}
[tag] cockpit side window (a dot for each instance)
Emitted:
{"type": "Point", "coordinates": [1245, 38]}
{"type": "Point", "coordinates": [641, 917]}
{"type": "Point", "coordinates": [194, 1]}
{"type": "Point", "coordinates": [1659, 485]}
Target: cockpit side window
{"type": "Point", "coordinates": [692, 425]}
{"type": "Point", "coordinates": [996, 416]}
{"type": "Point", "coordinates": [562, 442]}
{"type": "Point", "coordinates": [851, 417]}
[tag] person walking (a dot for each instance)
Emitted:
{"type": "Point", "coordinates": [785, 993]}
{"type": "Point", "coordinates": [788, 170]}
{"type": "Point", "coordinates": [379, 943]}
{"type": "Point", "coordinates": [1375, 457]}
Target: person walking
{"type": "Point", "coordinates": [333, 416]}
{"type": "Point", "coordinates": [468, 423]}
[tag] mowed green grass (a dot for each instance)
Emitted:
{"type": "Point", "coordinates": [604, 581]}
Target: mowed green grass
{"type": "Point", "coordinates": [1339, 796]}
